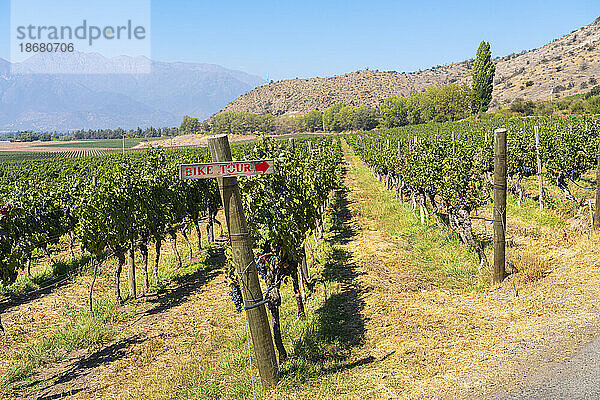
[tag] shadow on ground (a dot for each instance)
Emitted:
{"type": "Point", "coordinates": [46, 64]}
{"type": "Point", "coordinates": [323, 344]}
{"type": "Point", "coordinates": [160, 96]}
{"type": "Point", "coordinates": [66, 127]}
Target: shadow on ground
{"type": "Point", "coordinates": [188, 284]}
{"type": "Point", "coordinates": [326, 346]}
{"type": "Point", "coordinates": [61, 274]}
{"type": "Point", "coordinates": [71, 376]}
{"type": "Point", "coordinates": [64, 383]}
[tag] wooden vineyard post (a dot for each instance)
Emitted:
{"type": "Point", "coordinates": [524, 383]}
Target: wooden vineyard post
{"type": "Point", "coordinates": [243, 259]}
{"type": "Point", "coordinates": [499, 204]}
{"type": "Point", "coordinates": [597, 209]}
{"type": "Point", "coordinates": [539, 167]}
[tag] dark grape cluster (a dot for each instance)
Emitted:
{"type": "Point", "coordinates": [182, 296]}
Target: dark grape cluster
{"type": "Point", "coordinates": [528, 171]}
{"type": "Point", "coordinates": [261, 267]}
{"type": "Point", "coordinates": [236, 295]}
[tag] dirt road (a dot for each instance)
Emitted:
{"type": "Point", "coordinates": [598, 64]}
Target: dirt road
{"type": "Point", "coordinates": [577, 378]}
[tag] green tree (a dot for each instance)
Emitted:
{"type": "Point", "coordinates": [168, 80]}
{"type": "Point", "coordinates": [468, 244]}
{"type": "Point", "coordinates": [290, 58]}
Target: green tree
{"type": "Point", "coordinates": [190, 125]}
{"type": "Point", "coordinates": [593, 104]}
{"type": "Point", "coordinates": [394, 112]}
{"type": "Point", "coordinates": [239, 123]}
{"type": "Point", "coordinates": [483, 79]}
{"type": "Point", "coordinates": [415, 105]}
{"type": "Point", "coordinates": [523, 107]}
{"type": "Point", "coordinates": [313, 121]}
{"type": "Point", "coordinates": [364, 118]}
{"type": "Point", "coordinates": [331, 120]}
{"type": "Point", "coordinates": [451, 102]}
{"type": "Point", "coordinates": [345, 117]}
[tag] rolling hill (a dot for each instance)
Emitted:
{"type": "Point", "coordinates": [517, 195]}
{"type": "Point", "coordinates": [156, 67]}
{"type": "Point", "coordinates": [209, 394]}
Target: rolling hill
{"type": "Point", "coordinates": [566, 66]}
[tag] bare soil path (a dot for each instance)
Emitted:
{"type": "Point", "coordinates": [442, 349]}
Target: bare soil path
{"type": "Point", "coordinates": [576, 378]}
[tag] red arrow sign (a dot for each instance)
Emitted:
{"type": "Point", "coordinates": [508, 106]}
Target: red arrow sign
{"type": "Point", "coordinates": [262, 167]}
{"type": "Point", "coordinates": [225, 169]}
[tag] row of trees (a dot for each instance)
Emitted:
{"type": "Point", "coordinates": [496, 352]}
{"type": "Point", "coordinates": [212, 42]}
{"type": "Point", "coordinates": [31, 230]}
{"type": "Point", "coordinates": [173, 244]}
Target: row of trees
{"type": "Point", "coordinates": [445, 103]}
{"type": "Point", "coordinates": [341, 117]}
{"type": "Point", "coordinates": [338, 117]}
{"type": "Point", "coordinates": [581, 104]}
{"type": "Point", "coordinates": [120, 132]}
{"type": "Point", "coordinates": [29, 136]}
{"type": "Point", "coordinates": [242, 123]}
{"type": "Point", "coordinates": [437, 104]}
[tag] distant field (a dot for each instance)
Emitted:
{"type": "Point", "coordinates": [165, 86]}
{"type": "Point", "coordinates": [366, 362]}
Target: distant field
{"type": "Point", "coordinates": [100, 143]}
{"type": "Point", "coordinates": [39, 155]}
{"type": "Point", "coordinates": [18, 151]}
{"type": "Point", "coordinates": [23, 155]}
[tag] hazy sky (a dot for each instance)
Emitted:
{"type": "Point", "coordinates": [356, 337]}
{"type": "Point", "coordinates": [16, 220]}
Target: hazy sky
{"type": "Point", "coordinates": [318, 38]}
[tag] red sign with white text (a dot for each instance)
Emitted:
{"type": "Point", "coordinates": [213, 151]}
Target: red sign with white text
{"type": "Point", "coordinates": [226, 169]}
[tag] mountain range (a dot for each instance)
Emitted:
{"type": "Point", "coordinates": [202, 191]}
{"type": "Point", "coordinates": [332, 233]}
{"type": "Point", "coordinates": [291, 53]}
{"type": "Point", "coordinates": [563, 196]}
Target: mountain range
{"type": "Point", "coordinates": [59, 101]}
{"type": "Point", "coordinates": [566, 66]}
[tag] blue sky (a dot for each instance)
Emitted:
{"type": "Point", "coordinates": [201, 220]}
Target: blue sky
{"type": "Point", "coordinates": [319, 38]}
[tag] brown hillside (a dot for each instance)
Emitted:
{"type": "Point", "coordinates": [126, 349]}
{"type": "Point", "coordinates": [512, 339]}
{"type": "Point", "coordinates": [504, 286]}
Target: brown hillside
{"type": "Point", "coordinates": [570, 65]}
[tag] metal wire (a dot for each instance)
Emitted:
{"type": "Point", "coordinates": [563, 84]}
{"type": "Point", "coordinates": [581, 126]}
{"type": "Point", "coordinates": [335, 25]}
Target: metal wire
{"type": "Point", "coordinates": [257, 302]}
{"type": "Point", "coordinates": [583, 187]}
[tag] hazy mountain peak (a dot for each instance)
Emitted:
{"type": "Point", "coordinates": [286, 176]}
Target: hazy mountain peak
{"type": "Point", "coordinates": [56, 100]}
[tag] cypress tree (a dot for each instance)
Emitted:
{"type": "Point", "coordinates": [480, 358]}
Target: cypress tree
{"type": "Point", "coordinates": [483, 78]}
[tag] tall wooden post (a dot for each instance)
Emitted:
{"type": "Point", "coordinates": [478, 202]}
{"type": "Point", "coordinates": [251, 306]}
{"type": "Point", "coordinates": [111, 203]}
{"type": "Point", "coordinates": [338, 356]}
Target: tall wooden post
{"type": "Point", "coordinates": [291, 143]}
{"type": "Point", "coordinates": [243, 259]}
{"type": "Point", "coordinates": [499, 204]}
{"type": "Point", "coordinates": [597, 209]}
{"type": "Point", "coordinates": [539, 166]}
